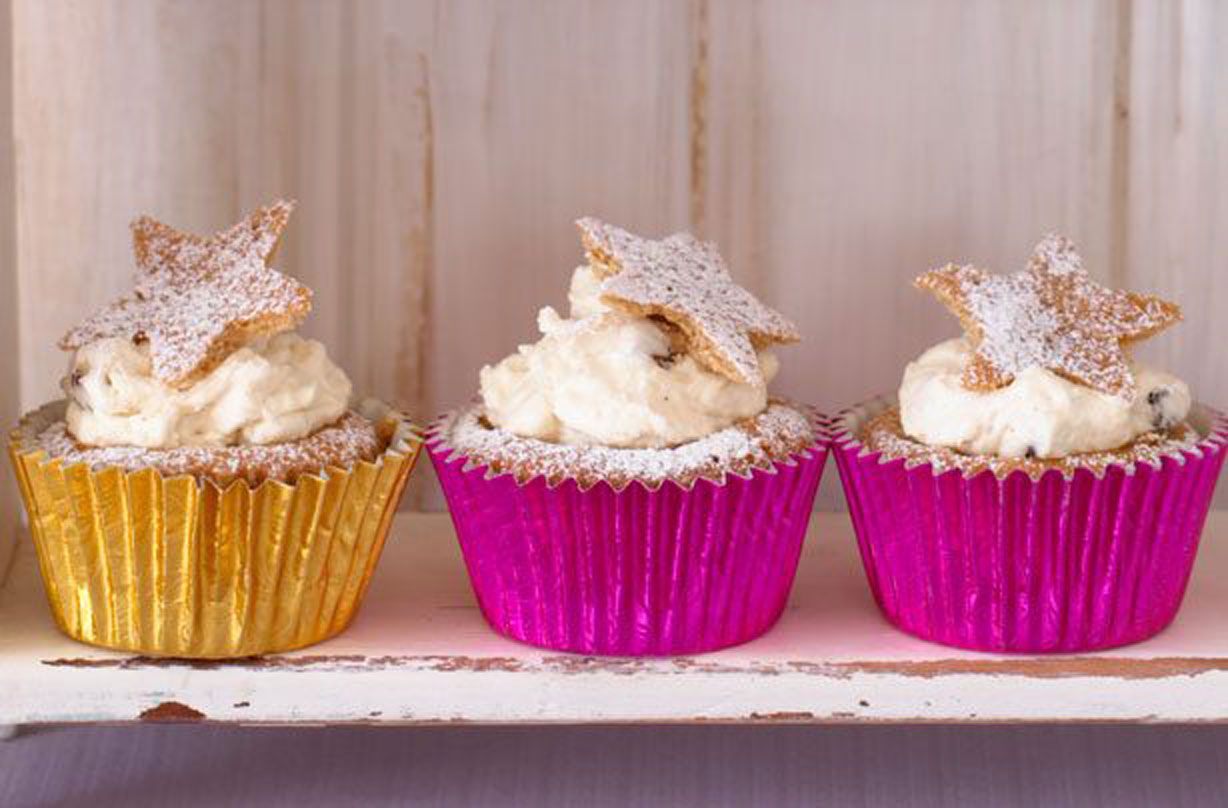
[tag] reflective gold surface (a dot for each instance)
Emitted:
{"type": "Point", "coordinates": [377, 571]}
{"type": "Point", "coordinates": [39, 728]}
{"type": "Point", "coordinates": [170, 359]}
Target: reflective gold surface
{"type": "Point", "coordinates": [176, 567]}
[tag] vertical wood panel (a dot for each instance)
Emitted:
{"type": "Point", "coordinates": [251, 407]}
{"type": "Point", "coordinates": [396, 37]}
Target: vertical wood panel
{"type": "Point", "coordinates": [120, 108]}
{"type": "Point", "coordinates": [544, 112]}
{"type": "Point", "coordinates": [856, 144]}
{"type": "Point", "coordinates": [1177, 228]}
{"type": "Point", "coordinates": [336, 110]}
{"type": "Point", "coordinates": [10, 342]}
{"type": "Point", "coordinates": [196, 116]}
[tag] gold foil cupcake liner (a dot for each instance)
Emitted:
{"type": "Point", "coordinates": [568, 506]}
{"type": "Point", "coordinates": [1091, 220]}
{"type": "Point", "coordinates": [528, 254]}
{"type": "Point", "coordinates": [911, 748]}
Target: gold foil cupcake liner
{"type": "Point", "coordinates": [173, 566]}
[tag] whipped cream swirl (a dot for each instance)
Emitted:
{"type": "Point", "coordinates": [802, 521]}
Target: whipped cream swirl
{"type": "Point", "coordinates": [1039, 414]}
{"type": "Point", "coordinates": [601, 377]}
{"type": "Point", "coordinates": [273, 390]}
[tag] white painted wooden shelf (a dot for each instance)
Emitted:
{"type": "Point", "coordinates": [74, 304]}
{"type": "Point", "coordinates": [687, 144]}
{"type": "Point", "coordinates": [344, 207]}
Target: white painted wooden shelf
{"type": "Point", "coordinates": [419, 652]}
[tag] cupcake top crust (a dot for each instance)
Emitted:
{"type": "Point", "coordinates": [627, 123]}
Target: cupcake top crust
{"type": "Point", "coordinates": [341, 444]}
{"type": "Point", "coordinates": [774, 435]}
{"type": "Point", "coordinates": [197, 370]}
{"type": "Point", "coordinates": [1043, 371]}
{"type": "Point", "coordinates": [883, 432]}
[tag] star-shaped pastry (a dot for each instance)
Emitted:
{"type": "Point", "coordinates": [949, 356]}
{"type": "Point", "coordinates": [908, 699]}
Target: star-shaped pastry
{"type": "Point", "coordinates": [684, 281]}
{"type": "Point", "coordinates": [1051, 315]}
{"type": "Point", "coordinates": [197, 298]}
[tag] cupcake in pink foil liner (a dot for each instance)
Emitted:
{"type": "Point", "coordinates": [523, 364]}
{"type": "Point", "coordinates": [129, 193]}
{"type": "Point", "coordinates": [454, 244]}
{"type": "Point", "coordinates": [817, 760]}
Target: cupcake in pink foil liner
{"type": "Point", "coordinates": [1059, 563]}
{"type": "Point", "coordinates": [625, 485]}
{"type": "Point", "coordinates": [636, 570]}
{"type": "Point", "coordinates": [1034, 489]}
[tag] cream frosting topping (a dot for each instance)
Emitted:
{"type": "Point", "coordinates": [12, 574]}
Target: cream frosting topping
{"type": "Point", "coordinates": [1039, 414]}
{"type": "Point", "coordinates": [272, 390]}
{"type": "Point", "coordinates": [602, 377]}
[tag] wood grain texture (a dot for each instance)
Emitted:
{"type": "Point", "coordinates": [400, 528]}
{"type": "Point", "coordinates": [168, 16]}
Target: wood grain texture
{"type": "Point", "coordinates": [199, 112]}
{"type": "Point", "coordinates": [544, 112]}
{"type": "Point", "coordinates": [440, 151]}
{"type": "Point", "coordinates": [855, 145]}
{"type": "Point", "coordinates": [1175, 234]}
{"type": "Point", "coordinates": [120, 108]}
{"type": "Point", "coordinates": [10, 346]}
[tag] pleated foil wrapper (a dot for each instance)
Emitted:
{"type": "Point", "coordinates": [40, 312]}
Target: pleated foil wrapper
{"type": "Point", "coordinates": [639, 571]}
{"type": "Point", "coordinates": [1062, 563]}
{"type": "Point", "coordinates": [173, 566]}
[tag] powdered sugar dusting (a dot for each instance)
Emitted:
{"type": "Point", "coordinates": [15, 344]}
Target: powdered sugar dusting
{"type": "Point", "coordinates": [1056, 255]}
{"type": "Point", "coordinates": [774, 435]}
{"type": "Point", "coordinates": [196, 299]}
{"type": "Point", "coordinates": [351, 439]}
{"type": "Point", "coordinates": [685, 281]}
{"type": "Point", "coordinates": [1052, 315]}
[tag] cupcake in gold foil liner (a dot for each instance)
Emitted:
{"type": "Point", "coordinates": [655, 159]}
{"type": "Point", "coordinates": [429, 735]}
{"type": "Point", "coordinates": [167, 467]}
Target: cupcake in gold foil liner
{"type": "Point", "coordinates": [181, 566]}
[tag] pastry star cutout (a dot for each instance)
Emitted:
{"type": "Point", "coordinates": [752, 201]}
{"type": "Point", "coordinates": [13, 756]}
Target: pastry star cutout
{"type": "Point", "coordinates": [685, 282]}
{"type": "Point", "coordinates": [1052, 315]}
{"type": "Point", "coordinates": [197, 299]}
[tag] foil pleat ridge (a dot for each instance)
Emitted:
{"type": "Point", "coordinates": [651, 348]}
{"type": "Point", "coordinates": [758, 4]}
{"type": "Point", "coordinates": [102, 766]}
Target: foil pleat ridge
{"type": "Point", "coordinates": [175, 566]}
{"type": "Point", "coordinates": [634, 571]}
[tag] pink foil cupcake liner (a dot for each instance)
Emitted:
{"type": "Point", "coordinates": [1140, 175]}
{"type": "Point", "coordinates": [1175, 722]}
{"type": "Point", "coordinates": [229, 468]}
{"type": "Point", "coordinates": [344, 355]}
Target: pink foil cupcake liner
{"type": "Point", "coordinates": [1056, 564]}
{"type": "Point", "coordinates": [633, 572]}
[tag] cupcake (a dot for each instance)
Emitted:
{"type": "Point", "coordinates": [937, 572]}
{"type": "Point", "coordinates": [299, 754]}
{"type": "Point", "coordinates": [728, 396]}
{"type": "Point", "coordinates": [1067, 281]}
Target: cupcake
{"type": "Point", "coordinates": [625, 485]}
{"type": "Point", "coordinates": [1032, 488]}
{"type": "Point", "coordinates": [206, 488]}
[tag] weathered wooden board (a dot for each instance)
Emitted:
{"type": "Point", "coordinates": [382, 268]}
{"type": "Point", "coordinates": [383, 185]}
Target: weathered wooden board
{"type": "Point", "coordinates": [419, 652]}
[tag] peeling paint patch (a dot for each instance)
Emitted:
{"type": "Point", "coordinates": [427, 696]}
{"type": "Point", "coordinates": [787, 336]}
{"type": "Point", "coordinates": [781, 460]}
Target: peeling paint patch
{"type": "Point", "coordinates": [476, 664]}
{"type": "Point", "coordinates": [171, 711]}
{"type": "Point", "coordinates": [253, 663]}
{"type": "Point", "coordinates": [1055, 667]}
{"type": "Point", "coordinates": [785, 716]}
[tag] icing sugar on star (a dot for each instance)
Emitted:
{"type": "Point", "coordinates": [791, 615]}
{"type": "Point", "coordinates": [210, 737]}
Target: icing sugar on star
{"type": "Point", "coordinates": [685, 282]}
{"type": "Point", "coordinates": [1051, 315]}
{"type": "Point", "coordinates": [197, 299]}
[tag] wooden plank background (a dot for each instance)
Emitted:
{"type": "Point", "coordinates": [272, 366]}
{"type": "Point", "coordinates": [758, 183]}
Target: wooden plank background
{"type": "Point", "coordinates": [440, 151]}
{"type": "Point", "coordinates": [9, 343]}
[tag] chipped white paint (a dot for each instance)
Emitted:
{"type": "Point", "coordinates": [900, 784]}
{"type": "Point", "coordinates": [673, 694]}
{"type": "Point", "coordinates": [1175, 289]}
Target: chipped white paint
{"type": "Point", "coordinates": [420, 653]}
